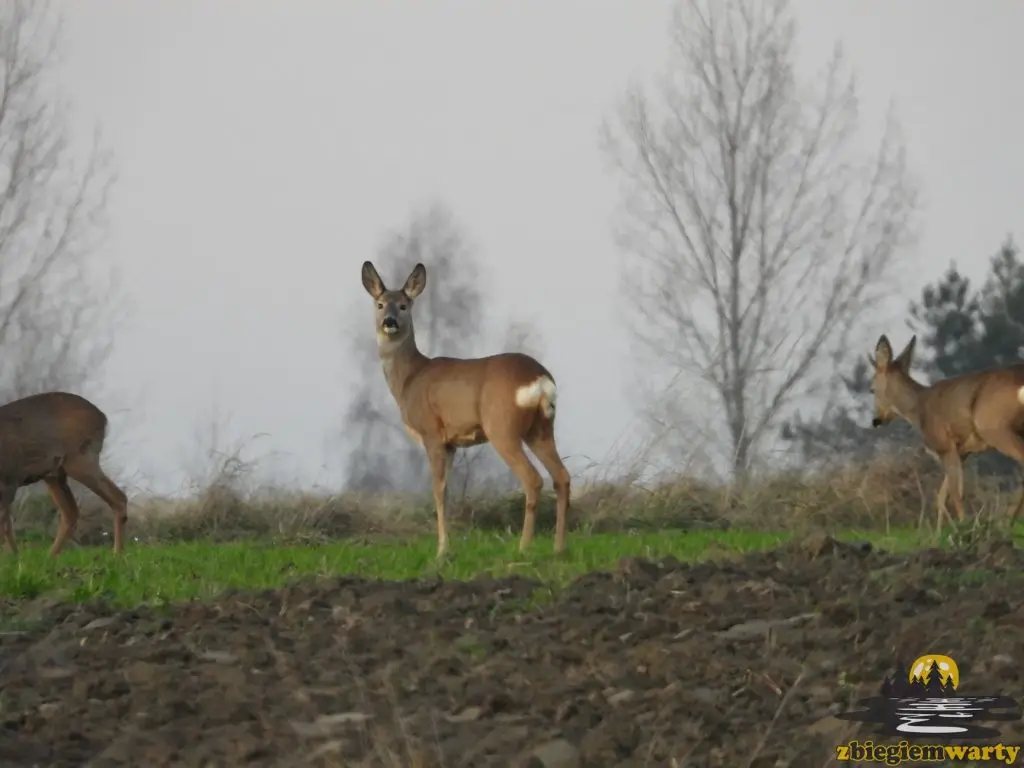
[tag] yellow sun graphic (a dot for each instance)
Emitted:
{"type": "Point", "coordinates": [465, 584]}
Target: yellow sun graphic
{"type": "Point", "coordinates": [923, 667]}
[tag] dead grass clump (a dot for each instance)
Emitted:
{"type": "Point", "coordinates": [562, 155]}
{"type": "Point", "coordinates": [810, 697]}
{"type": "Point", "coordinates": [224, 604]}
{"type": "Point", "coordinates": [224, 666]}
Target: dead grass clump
{"type": "Point", "coordinates": [896, 492]}
{"type": "Point", "coordinates": [889, 492]}
{"type": "Point", "coordinates": [287, 515]}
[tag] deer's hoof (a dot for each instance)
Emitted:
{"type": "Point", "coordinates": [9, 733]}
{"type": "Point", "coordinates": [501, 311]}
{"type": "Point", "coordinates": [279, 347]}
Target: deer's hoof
{"type": "Point", "coordinates": [443, 560]}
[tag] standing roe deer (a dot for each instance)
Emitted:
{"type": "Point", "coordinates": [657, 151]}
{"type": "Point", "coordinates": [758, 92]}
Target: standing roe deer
{"type": "Point", "coordinates": [448, 403]}
{"type": "Point", "coordinates": [965, 414]}
{"type": "Point", "coordinates": [51, 437]}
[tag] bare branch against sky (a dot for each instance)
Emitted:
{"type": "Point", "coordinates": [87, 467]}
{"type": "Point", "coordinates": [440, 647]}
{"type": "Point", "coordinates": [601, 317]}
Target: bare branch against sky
{"type": "Point", "coordinates": [451, 320]}
{"type": "Point", "coordinates": [54, 315]}
{"type": "Point", "coordinates": [755, 232]}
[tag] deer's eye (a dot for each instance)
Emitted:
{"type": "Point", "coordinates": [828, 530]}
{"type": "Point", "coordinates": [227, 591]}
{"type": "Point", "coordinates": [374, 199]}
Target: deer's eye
{"type": "Point", "coordinates": [402, 307]}
{"type": "Point", "coordinates": [380, 306]}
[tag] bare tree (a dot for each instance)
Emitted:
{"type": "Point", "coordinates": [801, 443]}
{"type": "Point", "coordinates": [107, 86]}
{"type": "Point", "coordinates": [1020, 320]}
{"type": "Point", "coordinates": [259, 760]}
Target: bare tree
{"type": "Point", "coordinates": [755, 231]}
{"type": "Point", "coordinates": [54, 317]}
{"type": "Point", "coordinates": [451, 319]}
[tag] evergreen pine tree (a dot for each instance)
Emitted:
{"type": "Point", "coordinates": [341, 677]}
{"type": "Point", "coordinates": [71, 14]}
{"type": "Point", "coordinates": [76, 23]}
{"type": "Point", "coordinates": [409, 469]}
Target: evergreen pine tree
{"type": "Point", "coordinates": [946, 319]}
{"type": "Point", "coordinates": [934, 685]}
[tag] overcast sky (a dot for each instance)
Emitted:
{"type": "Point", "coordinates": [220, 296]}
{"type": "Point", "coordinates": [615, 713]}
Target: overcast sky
{"type": "Point", "coordinates": [264, 147]}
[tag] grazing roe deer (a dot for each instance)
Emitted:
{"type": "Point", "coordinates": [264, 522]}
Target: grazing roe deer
{"type": "Point", "coordinates": [51, 437]}
{"type": "Point", "coordinates": [965, 414]}
{"type": "Point", "coordinates": [448, 403]}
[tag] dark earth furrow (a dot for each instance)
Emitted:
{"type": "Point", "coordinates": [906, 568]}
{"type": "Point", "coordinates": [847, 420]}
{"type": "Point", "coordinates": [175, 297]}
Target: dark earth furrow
{"type": "Point", "coordinates": [656, 664]}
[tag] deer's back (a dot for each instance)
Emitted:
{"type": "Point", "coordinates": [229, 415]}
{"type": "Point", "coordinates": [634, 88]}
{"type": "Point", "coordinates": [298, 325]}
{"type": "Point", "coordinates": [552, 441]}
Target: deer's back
{"type": "Point", "coordinates": [49, 424]}
{"type": "Point", "coordinates": [509, 370]}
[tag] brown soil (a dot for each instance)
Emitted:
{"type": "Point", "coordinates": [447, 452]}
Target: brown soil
{"type": "Point", "coordinates": [637, 667]}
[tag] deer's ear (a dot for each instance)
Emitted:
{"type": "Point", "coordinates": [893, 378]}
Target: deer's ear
{"type": "Point", "coordinates": [371, 280]}
{"type": "Point", "coordinates": [906, 357]}
{"type": "Point", "coordinates": [416, 281]}
{"type": "Point", "coordinates": [883, 352]}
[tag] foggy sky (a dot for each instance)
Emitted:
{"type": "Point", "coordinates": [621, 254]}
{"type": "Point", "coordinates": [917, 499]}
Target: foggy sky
{"type": "Point", "coordinates": [265, 147]}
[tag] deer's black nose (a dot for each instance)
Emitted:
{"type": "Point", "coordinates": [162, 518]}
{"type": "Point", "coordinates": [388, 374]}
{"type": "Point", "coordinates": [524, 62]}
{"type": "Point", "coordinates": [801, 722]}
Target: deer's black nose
{"type": "Point", "coordinates": [390, 322]}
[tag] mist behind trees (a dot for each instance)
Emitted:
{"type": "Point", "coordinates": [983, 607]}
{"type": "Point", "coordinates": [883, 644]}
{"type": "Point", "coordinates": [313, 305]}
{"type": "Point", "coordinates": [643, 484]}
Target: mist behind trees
{"type": "Point", "coordinates": [758, 242]}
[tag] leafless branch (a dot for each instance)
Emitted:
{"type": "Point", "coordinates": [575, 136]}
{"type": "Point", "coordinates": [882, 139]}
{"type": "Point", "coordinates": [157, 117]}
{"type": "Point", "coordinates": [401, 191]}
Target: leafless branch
{"type": "Point", "coordinates": [755, 231]}
{"type": "Point", "coordinates": [54, 316]}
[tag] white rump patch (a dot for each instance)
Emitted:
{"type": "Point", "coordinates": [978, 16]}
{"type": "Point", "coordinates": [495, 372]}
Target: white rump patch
{"type": "Point", "coordinates": [541, 393]}
{"type": "Point", "coordinates": [1020, 395]}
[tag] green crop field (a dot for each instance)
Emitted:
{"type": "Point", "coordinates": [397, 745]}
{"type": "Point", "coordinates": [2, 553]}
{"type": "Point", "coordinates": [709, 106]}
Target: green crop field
{"type": "Point", "coordinates": [157, 574]}
{"type": "Point", "coordinates": [224, 538]}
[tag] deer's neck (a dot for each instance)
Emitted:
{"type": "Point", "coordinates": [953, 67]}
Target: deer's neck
{"type": "Point", "coordinates": [906, 398]}
{"type": "Point", "coordinates": [401, 361]}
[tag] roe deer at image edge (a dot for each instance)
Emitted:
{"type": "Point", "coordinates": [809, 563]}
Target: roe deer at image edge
{"type": "Point", "coordinates": [51, 437]}
{"type": "Point", "coordinates": [965, 414]}
{"type": "Point", "coordinates": [448, 403]}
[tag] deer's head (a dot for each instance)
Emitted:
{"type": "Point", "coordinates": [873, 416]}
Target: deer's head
{"type": "Point", "coordinates": [888, 372]}
{"type": "Point", "coordinates": [393, 308]}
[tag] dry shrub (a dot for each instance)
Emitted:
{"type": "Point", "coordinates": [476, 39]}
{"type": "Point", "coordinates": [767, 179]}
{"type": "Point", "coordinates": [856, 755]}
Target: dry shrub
{"type": "Point", "coordinates": [888, 492]}
{"type": "Point", "coordinates": [894, 492]}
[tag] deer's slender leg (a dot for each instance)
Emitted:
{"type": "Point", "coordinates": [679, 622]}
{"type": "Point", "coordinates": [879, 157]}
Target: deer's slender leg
{"type": "Point", "coordinates": [7, 495]}
{"type": "Point", "coordinates": [7, 529]}
{"type": "Point", "coordinates": [940, 503]}
{"type": "Point", "coordinates": [440, 457]}
{"type": "Point", "coordinates": [86, 470]}
{"type": "Point", "coordinates": [955, 475]}
{"type": "Point", "coordinates": [1010, 444]}
{"type": "Point", "coordinates": [543, 446]}
{"type": "Point", "coordinates": [1020, 504]}
{"type": "Point", "coordinates": [510, 449]}
{"type": "Point", "coordinates": [68, 508]}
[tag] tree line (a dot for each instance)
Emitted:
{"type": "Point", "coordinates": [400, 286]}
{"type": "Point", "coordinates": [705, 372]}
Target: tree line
{"type": "Point", "coordinates": [758, 241]}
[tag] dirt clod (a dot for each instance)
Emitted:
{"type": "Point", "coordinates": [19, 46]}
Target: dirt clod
{"type": "Point", "coordinates": [739, 662]}
{"type": "Point", "coordinates": [555, 754]}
